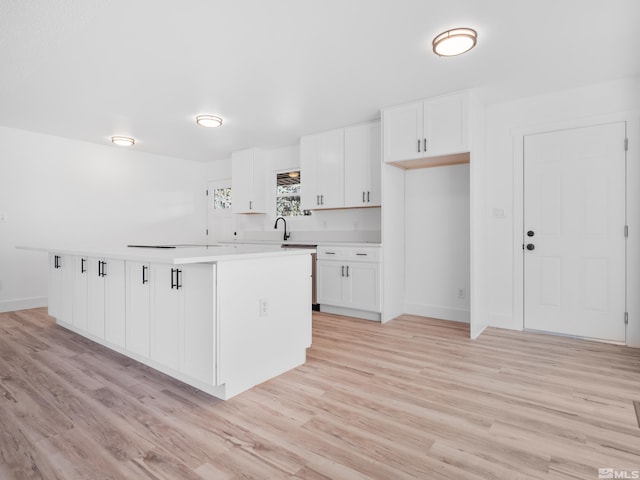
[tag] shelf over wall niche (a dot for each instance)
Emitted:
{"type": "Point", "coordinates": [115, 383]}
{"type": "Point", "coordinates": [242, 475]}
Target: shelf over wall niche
{"type": "Point", "coordinates": [439, 161]}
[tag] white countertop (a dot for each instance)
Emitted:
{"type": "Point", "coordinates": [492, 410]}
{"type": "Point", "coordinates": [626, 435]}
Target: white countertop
{"type": "Point", "coordinates": [180, 255]}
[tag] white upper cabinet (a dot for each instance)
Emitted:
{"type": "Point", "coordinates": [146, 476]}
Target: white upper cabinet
{"type": "Point", "coordinates": [433, 127]}
{"type": "Point", "coordinates": [322, 170]}
{"type": "Point", "coordinates": [362, 169]}
{"type": "Point", "coordinates": [248, 181]}
{"type": "Point", "coordinates": [341, 168]}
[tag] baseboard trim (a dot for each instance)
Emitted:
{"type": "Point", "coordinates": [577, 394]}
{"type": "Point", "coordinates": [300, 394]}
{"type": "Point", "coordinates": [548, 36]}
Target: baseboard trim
{"type": "Point", "coordinates": [22, 304]}
{"type": "Point", "coordinates": [442, 313]}
{"type": "Point", "coordinates": [350, 312]}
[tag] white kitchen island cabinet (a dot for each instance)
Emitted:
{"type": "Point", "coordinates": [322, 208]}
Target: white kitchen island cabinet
{"type": "Point", "coordinates": [106, 297]}
{"type": "Point", "coordinates": [181, 330]}
{"type": "Point", "coordinates": [220, 318]}
{"type": "Point", "coordinates": [138, 305]}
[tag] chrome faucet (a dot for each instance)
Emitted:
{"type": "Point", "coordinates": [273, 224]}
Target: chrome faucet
{"type": "Point", "coordinates": [286, 235]}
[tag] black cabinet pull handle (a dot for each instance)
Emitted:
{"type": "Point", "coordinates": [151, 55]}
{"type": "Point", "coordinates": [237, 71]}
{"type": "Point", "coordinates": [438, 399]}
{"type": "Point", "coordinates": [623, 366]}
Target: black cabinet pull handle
{"type": "Point", "coordinates": [362, 254]}
{"type": "Point", "coordinates": [144, 277]}
{"type": "Point", "coordinates": [173, 283]}
{"type": "Point", "coordinates": [531, 246]}
{"type": "Point", "coordinates": [530, 233]}
{"type": "Point", "coordinates": [368, 196]}
{"type": "Point", "coordinates": [342, 271]}
{"type": "Point", "coordinates": [363, 197]}
{"type": "Point", "coordinates": [425, 145]}
{"type": "Point", "coordinates": [56, 261]}
{"type": "Point", "coordinates": [104, 269]}
{"type": "Point", "coordinates": [82, 262]}
{"type": "Point", "coordinates": [330, 253]}
{"type": "Point", "coordinates": [99, 268]}
{"type": "Point", "coordinates": [418, 145]}
{"type": "Point", "coordinates": [178, 279]}
{"type": "Point", "coordinates": [347, 270]}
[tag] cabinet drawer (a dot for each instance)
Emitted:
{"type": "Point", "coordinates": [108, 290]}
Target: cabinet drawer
{"type": "Point", "coordinates": [364, 254]}
{"type": "Point", "coordinates": [333, 253]}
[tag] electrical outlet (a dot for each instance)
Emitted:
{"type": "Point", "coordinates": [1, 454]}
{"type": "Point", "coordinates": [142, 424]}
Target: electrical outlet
{"type": "Point", "coordinates": [264, 307]}
{"type": "Point", "coordinates": [461, 293]}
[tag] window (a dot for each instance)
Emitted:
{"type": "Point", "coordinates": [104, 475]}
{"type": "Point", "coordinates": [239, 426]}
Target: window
{"type": "Point", "coordinates": [288, 194]}
{"type": "Point", "coordinates": [221, 198]}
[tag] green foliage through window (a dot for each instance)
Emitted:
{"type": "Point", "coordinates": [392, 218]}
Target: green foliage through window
{"type": "Point", "coordinates": [288, 194]}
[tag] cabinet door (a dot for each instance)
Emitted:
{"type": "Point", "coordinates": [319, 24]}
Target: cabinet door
{"type": "Point", "coordinates": [330, 283]}
{"type": "Point", "coordinates": [198, 333]}
{"type": "Point", "coordinates": [166, 316]}
{"type": "Point", "coordinates": [259, 183]}
{"type": "Point", "coordinates": [309, 198]}
{"type": "Point", "coordinates": [330, 170]}
{"type": "Point", "coordinates": [362, 167]}
{"type": "Point", "coordinates": [61, 287]}
{"type": "Point", "coordinates": [363, 286]}
{"type": "Point", "coordinates": [322, 170]}
{"type": "Point", "coordinates": [95, 289]}
{"type": "Point", "coordinates": [241, 181]}
{"type": "Point", "coordinates": [445, 124]}
{"type": "Point", "coordinates": [403, 128]}
{"type": "Point", "coordinates": [114, 313]}
{"type": "Point", "coordinates": [138, 304]}
{"type": "Point", "coordinates": [80, 292]}
{"type": "Point", "coordinates": [55, 286]}
{"type": "Point", "coordinates": [248, 181]}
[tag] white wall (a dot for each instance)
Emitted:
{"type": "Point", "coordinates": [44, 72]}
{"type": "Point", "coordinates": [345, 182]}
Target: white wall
{"type": "Point", "coordinates": [56, 191]}
{"type": "Point", "coordinates": [354, 224]}
{"type": "Point", "coordinates": [506, 123]}
{"type": "Point", "coordinates": [437, 242]}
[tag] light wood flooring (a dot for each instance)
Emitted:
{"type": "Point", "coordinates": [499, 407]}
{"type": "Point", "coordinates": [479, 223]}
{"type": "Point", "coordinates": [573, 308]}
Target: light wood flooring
{"type": "Point", "coordinates": [414, 398]}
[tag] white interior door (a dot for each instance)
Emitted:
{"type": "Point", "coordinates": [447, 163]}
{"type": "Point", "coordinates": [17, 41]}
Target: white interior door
{"type": "Point", "coordinates": [220, 220]}
{"type": "Point", "coordinates": [574, 217]}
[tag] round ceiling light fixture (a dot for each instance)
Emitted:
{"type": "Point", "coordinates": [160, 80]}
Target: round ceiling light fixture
{"type": "Point", "coordinates": [122, 141]}
{"type": "Point", "coordinates": [454, 42]}
{"type": "Point", "coordinates": [210, 121]}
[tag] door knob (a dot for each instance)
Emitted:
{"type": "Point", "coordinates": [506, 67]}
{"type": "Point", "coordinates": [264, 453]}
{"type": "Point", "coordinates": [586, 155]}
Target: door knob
{"type": "Point", "coordinates": [530, 246]}
{"type": "Point", "coordinates": [530, 233]}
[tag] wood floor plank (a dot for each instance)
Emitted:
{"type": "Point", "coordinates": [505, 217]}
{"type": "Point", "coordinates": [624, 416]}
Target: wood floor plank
{"type": "Point", "coordinates": [414, 398]}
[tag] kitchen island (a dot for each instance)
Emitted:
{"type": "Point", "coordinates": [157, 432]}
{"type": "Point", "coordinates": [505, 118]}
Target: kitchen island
{"type": "Point", "coordinates": [221, 318]}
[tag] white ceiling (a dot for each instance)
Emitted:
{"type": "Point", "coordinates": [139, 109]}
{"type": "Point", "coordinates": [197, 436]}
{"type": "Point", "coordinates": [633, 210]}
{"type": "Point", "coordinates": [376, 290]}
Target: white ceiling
{"type": "Point", "coordinates": [278, 69]}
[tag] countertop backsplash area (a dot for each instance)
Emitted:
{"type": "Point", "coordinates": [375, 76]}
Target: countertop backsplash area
{"type": "Point", "coordinates": [314, 236]}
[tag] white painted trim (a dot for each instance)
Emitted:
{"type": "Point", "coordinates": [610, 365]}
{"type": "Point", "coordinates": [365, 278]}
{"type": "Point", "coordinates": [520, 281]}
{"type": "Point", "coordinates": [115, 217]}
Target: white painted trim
{"type": "Point", "coordinates": [441, 313]}
{"type": "Point", "coordinates": [350, 312]}
{"type": "Point", "coordinates": [633, 187]}
{"type": "Point", "coordinates": [23, 304]}
{"type": "Point", "coordinates": [475, 334]}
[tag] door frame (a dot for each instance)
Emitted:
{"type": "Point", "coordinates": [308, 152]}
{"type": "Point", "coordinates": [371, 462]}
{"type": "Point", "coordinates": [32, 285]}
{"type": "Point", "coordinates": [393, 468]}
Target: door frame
{"type": "Point", "coordinates": [632, 211]}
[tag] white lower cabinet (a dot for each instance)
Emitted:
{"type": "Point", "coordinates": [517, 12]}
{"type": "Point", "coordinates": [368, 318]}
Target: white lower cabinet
{"type": "Point", "coordinates": [138, 305]}
{"type": "Point", "coordinates": [182, 334]}
{"type": "Point", "coordinates": [106, 300]}
{"type": "Point", "coordinates": [349, 277]}
{"type": "Point", "coordinates": [61, 287]}
{"type": "Point", "coordinates": [80, 293]}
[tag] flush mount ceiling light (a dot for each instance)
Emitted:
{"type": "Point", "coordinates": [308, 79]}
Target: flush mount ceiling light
{"type": "Point", "coordinates": [294, 174]}
{"type": "Point", "coordinates": [454, 42]}
{"type": "Point", "coordinates": [210, 121]}
{"type": "Point", "coordinates": [122, 141]}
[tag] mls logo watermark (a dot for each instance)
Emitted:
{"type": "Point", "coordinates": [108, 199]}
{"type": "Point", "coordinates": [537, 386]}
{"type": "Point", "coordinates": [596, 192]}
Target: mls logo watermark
{"type": "Point", "coordinates": [617, 473]}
